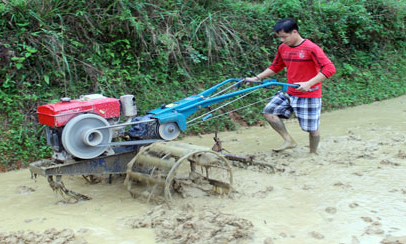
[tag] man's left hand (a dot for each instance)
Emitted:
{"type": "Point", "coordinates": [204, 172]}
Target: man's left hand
{"type": "Point", "coordinates": [303, 86]}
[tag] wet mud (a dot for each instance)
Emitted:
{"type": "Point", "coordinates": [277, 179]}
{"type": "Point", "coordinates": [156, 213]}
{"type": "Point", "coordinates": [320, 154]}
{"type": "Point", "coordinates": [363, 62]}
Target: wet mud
{"type": "Point", "coordinates": [191, 225]}
{"type": "Point", "coordinates": [352, 192]}
{"type": "Point", "coordinates": [52, 236]}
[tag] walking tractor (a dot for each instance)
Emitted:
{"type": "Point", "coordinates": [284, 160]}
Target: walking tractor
{"type": "Point", "coordinates": [97, 135]}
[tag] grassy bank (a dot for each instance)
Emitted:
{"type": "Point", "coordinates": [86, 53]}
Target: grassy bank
{"type": "Point", "coordinates": [171, 49]}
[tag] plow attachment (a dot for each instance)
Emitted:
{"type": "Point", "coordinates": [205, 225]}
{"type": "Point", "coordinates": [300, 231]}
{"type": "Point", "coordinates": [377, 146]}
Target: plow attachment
{"type": "Point", "coordinates": [164, 168]}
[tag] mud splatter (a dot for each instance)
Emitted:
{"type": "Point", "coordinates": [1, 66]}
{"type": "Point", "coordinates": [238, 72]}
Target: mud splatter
{"type": "Point", "coordinates": [24, 190]}
{"type": "Point", "coordinates": [394, 240]}
{"type": "Point", "coordinates": [186, 225]}
{"type": "Point", "coordinates": [64, 236]}
{"type": "Point", "coordinates": [316, 235]}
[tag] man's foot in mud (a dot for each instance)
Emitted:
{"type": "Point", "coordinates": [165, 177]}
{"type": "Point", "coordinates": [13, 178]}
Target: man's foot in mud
{"type": "Point", "coordinates": [285, 145]}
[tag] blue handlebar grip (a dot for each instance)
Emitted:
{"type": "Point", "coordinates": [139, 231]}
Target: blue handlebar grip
{"type": "Point", "coordinates": [285, 87]}
{"type": "Point", "coordinates": [206, 117]}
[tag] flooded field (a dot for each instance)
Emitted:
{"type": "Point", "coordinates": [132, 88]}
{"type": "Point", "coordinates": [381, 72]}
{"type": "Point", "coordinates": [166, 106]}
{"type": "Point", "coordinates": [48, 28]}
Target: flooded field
{"type": "Point", "coordinates": [353, 191]}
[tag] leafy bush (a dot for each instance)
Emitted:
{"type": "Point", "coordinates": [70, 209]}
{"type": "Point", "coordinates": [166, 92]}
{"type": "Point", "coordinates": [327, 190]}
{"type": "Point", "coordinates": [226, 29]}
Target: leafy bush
{"type": "Point", "coordinates": [171, 49]}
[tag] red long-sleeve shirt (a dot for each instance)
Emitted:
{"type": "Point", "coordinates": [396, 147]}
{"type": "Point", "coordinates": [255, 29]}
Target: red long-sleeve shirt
{"type": "Point", "coordinates": [303, 62]}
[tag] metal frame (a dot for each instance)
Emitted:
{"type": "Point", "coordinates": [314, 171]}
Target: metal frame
{"type": "Point", "coordinates": [180, 110]}
{"type": "Point", "coordinates": [112, 164]}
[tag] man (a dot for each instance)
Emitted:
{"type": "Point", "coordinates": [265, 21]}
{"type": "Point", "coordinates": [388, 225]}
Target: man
{"type": "Point", "coordinates": [307, 66]}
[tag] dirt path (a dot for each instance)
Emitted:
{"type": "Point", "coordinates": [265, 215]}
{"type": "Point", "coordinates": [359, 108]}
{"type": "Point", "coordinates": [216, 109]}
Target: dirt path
{"type": "Point", "coordinates": [353, 192]}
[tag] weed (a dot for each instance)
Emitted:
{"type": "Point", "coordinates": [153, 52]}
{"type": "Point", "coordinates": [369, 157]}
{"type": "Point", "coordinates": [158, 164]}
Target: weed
{"type": "Point", "coordinates": [171, 49]}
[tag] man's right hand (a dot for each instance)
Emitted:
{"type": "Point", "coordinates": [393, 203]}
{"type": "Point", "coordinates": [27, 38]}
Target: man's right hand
{"type": "Point", "coordinates": [250, 80]}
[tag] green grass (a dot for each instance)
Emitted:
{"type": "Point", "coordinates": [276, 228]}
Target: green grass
{"type": "Point", "coordinates": [162, 51]}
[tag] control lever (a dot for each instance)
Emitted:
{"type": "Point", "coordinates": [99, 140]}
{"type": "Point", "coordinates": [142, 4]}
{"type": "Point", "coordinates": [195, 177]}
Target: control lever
{"type": "Point", "coordinates": [259, 80]}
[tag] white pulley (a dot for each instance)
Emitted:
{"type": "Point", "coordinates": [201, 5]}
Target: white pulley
{"type": "Point", "coordinates": [80, 138]}
{"type": "Point", "coordinates": [168, 131]}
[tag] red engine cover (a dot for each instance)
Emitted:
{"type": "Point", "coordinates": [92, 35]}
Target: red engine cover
{"type": "Point", "coordinates": [58, 114]}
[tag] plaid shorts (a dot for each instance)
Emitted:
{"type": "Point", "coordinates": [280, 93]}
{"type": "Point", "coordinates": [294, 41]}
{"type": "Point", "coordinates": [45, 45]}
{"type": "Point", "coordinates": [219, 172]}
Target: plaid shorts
{"type": "Point", "coordinates": [307, 110]}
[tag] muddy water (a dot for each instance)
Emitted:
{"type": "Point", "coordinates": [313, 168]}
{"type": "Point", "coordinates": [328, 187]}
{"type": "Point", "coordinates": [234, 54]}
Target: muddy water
{"type": "Point", "coordinates": [354, 191]}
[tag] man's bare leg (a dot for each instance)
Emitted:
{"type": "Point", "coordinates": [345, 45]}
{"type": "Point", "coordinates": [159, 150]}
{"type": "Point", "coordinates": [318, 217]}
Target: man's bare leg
{"type": "Point", "coordinates": [278, 125]}
{"type": "Point", "coordinates": [314, 139]}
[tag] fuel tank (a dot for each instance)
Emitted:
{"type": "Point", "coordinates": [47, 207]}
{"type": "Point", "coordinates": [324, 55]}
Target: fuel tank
{"type": "Point", "coordinates": [58, 114]}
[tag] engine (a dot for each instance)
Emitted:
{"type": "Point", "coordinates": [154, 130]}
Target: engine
{"type": "Point", "coordinates": [81, 128]}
